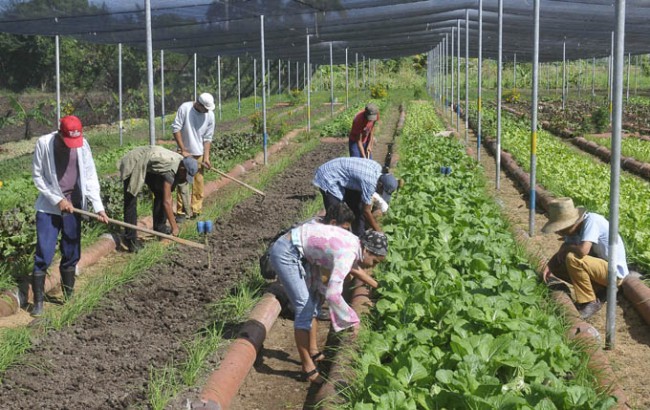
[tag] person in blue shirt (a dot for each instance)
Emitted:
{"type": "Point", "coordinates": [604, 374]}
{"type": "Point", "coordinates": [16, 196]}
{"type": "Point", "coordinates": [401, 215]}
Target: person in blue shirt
{"type": "Point", "coordinates": [354, 181]}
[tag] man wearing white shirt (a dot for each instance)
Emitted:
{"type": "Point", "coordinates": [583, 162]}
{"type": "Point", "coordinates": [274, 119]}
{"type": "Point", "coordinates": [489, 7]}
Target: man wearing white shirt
{"type": "Point", "coordinates": [64, 174]}
{"type": "Point", "coordinates": [193, 130]}
{"type": "Point", "coordinates": [583, 256]}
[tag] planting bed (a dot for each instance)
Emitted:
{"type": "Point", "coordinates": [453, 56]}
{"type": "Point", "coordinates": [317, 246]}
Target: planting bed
{"type": "Point", "coordinates": [632, 335]}
{"type": "Point", "coordinates": [108, 353]}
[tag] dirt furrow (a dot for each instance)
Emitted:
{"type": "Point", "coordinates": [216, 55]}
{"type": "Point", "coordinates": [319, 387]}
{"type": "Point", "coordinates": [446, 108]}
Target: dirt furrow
{"type": "Point", "coordinates": [103, 360]}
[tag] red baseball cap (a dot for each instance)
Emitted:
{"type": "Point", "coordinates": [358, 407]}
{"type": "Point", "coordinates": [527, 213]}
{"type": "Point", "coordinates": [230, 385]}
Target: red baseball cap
{"type": "Point", "coordinates": [71, 132]}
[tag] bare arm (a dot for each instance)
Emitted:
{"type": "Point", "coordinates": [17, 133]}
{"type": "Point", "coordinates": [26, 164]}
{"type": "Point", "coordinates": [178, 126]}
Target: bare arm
{"type": "Point", "coordinates": [367, 213]}
{"type": "Point", "coordinates": [361, 149]}
{"type": "Point", "coordinates": [581, 250]}
{"type": "Point", "coordinates": [167, 205]}
{"type": "Point", "coordinates": [364, 277]}
{"type": "Point", "coordinates": [179, 141]}
{"type": "Point", "coordinates": [206, 154]}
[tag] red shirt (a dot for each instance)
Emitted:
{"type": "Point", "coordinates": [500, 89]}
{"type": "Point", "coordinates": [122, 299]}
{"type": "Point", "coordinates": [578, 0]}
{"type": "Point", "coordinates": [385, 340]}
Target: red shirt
{"type": "Point", "coordinates": [362, 128]}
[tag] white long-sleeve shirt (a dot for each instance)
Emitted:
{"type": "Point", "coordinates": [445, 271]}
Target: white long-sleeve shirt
{"type": "Point", "coordinates": [196, 128]}
{"type": "Point", "coordinates": [47, 183]}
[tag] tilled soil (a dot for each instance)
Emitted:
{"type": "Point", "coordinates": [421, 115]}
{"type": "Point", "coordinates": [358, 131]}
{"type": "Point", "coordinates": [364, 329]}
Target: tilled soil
{"type": "Point", "coordinates": [274, 382]}
{"type": "Point", "coordinates": [103, 360]}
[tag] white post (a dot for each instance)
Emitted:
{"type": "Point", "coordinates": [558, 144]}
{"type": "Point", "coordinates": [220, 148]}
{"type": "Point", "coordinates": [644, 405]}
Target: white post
{"type": "Point", "coordinates": [238, 86]}
{"type": "Point", "coordinates": [264, 133]}
{"type": "Point", "coordinates": [308, 77]}
{"type": "Point", "coordinates": [195, 94]}
{"type": "Point", "coordinates": [119, 88]}
{"type": "Point", "coordinates": [347, 80]}
{"type": "Point", "coordinates": [255, 82]}
{"type": "Point", "coordinates": [57, 67]}
{"type": "Point", "coordinates": [162, 91]}
{"type": "Point", "coordinates": [152, 111]}
{"type": "Point", "coordinates": [219, 81]}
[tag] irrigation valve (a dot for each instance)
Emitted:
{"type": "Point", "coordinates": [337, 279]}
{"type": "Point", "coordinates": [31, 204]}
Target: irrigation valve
{"type": "Point", "coordinates": [204, 228]}
{"type": "Point", "coordinates": [445, 170]}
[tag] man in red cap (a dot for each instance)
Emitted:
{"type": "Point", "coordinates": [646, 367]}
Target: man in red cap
{"type": "Point", "coordinates": [361, 134]}
{"type": "Point", "coordinates": [64, 174]}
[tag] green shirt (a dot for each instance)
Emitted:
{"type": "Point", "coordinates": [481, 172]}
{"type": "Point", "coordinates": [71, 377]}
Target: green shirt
{"type": "Point", "coordinates": [156, 160]}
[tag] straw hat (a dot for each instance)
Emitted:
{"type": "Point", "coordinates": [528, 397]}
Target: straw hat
{"type": "Point", "coordinates": [563, 214]}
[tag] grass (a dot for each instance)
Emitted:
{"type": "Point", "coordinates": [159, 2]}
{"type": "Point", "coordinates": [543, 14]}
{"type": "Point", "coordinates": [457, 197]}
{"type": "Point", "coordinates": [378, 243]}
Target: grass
{"type": "Point", "coordinates": [232, 309]}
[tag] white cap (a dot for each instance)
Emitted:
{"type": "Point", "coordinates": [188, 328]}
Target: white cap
{"type": "Point", "coordinates": [207, 101]}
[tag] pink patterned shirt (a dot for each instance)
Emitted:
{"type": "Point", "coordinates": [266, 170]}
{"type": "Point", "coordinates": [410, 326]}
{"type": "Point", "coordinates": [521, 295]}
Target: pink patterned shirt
{"type": "Point", "coordinates": [336, 250]}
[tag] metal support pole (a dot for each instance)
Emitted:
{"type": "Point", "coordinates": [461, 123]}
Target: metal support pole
{"type": "Point", "coordinates": [614, 191]}
{"type": "Point", "coordinates": [466, 76]}
{"type": "Point", "coordinates": [499, 95]}
{"type": "Point", "coordinates": [347, 81]}
{"type": "Point", "coordinates": [195, 94]}
{"type": "Point", "coordinates": [279, 76]}
{"type": "Point", "coordinates": [219, 83]}
{"type": "Point", "coordinates": [268, 84]}
{"type": "Point", "coordinates": [363, 70]}
{"type": "Point", "coordinates": [514, 72]}
{"type": "Point", "coordinates": [119, 89]}
{"type": "Point", "coordinates": [533, 121]}
{"type": "Point", "coordinates": [636, 73]}
{"type": "Point", "coordinates": [238, 86]}
{"type": "Point", "coordinates": [297, 76]}
{"type": "Point", "coordinates": [262, 59]}
{"type": "Point", "coordinates": [627, 92]}
{"type": "Point", "coordinates": [593, 78]}
{"type": "Point", "coordinates": [610, 79]}
{"type": "Point", "coordinates": [480, 79]}
{"type": "Point", "coordinates": [356, 70]}
{"type": "Point", "coordinates": [255, 82]}
{"type": "Point", "coordinates": [374, 71]}
{"type": "Point", "coordinates": [162, 94]}
{"type": "Point", "coordinates": [564, 86]}
{"type": "Point", "coordinates": [152, 114]}
{"type": "Point", "coordinates": [308, 76]}
{"type": "Point", "coordinates": [331, 82]}
{"type": "Point", "coordinates": [579, 78]}
{"type": "Point", "coordinates": [288, 75]}
{"type": "Point", "coordinates": [458, 76]}
{"type": "Point", "coordinates": [443, 61]}
{"type": "Point", "coordinates": [453, 74]}
{"type": "Point", "coordinates": [57, 68]}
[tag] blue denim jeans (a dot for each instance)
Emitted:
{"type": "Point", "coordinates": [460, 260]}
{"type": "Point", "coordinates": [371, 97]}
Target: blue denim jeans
{"type": "Point", "coordinates": [48, 227]}
{"type": "Point", "coordinates": [353, 149]}
{"type": "Point", "coordinates": [286, 261]}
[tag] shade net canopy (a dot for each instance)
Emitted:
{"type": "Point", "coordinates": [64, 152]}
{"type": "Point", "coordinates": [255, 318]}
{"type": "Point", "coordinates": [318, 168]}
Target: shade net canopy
{"type": "Point", "coordinates": [367, 28]}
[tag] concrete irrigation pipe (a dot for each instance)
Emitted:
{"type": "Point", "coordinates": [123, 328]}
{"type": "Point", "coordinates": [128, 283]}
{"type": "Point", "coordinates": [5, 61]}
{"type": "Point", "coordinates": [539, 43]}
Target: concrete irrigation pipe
{"type": "Point", "coordinates": [224, 383]}
{"type": "Point", "coordinates": [633, 288]}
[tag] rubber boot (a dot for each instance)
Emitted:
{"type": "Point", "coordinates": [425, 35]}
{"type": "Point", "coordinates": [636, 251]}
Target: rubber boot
{"type": "Point", "coordinates": [67, 282]}
{"type": "Point", "coordinates": [38, 287]}
{"type": "Point", "coordinates": [22, 291]}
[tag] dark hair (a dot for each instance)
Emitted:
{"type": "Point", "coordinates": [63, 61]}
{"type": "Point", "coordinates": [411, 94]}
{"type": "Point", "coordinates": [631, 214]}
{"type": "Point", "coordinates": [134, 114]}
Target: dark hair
{"type": "Point", "coordinates": [341, 213]}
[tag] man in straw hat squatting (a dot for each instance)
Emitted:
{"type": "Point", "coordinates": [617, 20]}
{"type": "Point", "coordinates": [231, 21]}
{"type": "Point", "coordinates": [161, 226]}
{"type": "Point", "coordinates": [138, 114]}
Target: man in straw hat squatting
{"type": "Point", "coordinates": [583, 255]}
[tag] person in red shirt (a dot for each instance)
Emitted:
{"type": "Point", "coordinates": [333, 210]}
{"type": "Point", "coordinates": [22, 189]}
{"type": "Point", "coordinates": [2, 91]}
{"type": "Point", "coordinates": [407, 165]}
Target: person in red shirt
{"type": "Point", "coordinates": [360, 137]}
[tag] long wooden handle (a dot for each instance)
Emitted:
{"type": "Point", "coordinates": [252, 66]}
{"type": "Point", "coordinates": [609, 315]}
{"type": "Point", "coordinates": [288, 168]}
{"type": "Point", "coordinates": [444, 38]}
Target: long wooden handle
{"type": "Point", "coordinates": [141, 229]}
{"type": "Point", "coordinates": [257, 191]}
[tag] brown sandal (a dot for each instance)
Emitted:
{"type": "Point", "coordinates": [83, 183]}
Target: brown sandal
{"type": "Point", "coordinates": [318, 357]}
{"type": "Point", "coordinates": [309, 377]}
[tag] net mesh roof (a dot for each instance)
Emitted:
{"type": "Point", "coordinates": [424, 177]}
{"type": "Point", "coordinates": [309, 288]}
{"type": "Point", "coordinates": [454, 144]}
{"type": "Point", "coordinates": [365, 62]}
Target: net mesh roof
{"type": "Point", "coordinates": [368, 28]}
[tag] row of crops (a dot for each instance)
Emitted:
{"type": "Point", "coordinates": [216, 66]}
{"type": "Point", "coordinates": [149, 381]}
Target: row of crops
{"type": "Point", "coordinates": [461, 320]}
{"type": "Point", "coordinates": [565, 171]}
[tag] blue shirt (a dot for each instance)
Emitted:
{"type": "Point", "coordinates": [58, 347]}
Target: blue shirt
{"type": "Point", "coordinates": [357, 174]}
